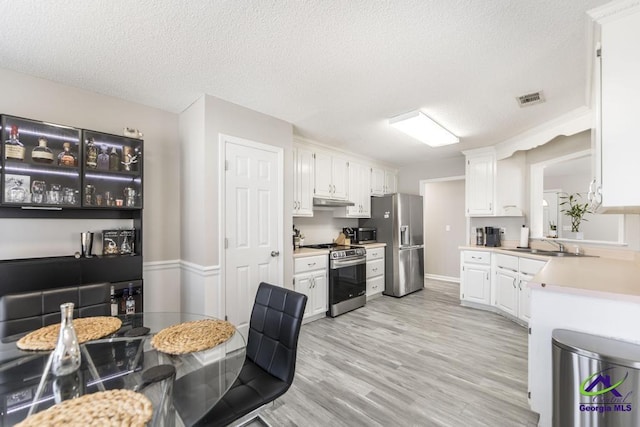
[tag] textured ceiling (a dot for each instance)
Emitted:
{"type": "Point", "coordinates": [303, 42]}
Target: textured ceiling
{"type": "Point", "coordinates": [335, 69]}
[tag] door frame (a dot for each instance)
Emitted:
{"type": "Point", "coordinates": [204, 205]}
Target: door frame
{"type": "Point", "coordinates": [223, 139]}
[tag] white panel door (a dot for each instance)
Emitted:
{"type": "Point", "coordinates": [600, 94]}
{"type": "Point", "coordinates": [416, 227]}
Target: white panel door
{"type": "Point", "coordinates": [507, 291]}
{"type": "Point", "coordinates": [475, 284]}
{"type": "Point", "coordinates": [305, 182]}
{"type": "Point", "coordinates": [340, 178]}
{"type": "Point", "coordinates": [524, 297]}
{"type": "Point", "coordinates": [320, 291]}
{"type": "Point", "coordinates": [480, 184]}
{"type": "Point", "coordinates": [323, 186]}
{"type": "Point", "coordinates": [253, 227]}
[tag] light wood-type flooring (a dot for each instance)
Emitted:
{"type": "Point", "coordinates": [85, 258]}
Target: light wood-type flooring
{"type": "Point", "coordinates": [420, 360]}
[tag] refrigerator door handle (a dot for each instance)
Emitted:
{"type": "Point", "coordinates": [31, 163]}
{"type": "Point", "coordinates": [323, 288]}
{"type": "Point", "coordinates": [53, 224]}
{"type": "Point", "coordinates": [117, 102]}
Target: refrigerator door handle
{"type": "Point", "coordinates": [404, 235]}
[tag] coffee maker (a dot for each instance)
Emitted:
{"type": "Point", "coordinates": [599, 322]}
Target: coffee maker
{"type": "Point", "coordinates": [492, 237]}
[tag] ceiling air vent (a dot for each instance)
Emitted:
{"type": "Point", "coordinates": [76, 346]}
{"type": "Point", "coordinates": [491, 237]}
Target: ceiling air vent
{"type": "Point", "coordinates": [530, 99]}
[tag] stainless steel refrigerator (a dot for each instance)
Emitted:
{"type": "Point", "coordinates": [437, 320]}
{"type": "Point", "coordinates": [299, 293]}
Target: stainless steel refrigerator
{"type": "Point", "coordinates": [398, 219]}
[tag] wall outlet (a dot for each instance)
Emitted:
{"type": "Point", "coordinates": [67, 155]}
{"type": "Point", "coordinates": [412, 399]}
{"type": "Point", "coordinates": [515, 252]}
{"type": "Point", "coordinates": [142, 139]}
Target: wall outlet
{"type": "Point", "coordinates": [503, 230]}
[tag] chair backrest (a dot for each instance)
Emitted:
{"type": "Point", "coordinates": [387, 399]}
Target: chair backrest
{"type": "Point", "coordinates": [26, 311]}
{"type": "Point", "coordinates": [275, 323]}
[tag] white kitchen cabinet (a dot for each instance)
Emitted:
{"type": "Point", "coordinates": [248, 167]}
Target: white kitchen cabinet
{"type": "Point", "coordinates": [617, 150]}
{"type": "Point", "coordinates": [359, 193]}
{"type": "Point", "coordinates": [303, 179]}
{"type": "Point", "coordinates": [479, 184]}
{"type": "Point", "coordinates": [475, 283]}
{"type": "Point", "coordinates": [310, 278]}
{"type": "Point", "coordinates": [526, 270]}
{"type": "Point", "coordinates": [375, 271]}
{"type": "Point", "coordinates": [390, 182]}
{"type": "Point", "coordinates": [377, 182]}
{"type": "Point", "coordinates": [494, 187]}
{"type": "Point", "coordinates": [331, 176]}
{"type": "Point", "coordinates": [506, 285]}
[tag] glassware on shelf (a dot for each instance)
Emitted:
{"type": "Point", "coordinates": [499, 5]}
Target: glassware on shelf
{"type": "Point", "coordinates": [17, 193]}
{"type": "Point", "coordinates": [66, 356]}
{"type": "Point", "coordinates": [92, 154]}
{"type": "Point", "coordinates": [38, 190]}
{"type": "Point", "coordinates": [129, 158]}
{"type": "Point", "coordinates": [67, 157]}
{"type": "Point", "coordinates": [13, 148]}
{"type": "Point", "coordinates": [89, 194]}
{"type": "Point", "coordinates": [69, 196]}
{"type": "Point", "coordinates": [114, 160]}
{"type": "Point", "coordinates": [103, 158]}
{"type": "Point", "coordinates": [42, 153]}
{"type": "Point", "coordinates": [130, 197]}
{"type": "Point", "coordinates": [54, 195]}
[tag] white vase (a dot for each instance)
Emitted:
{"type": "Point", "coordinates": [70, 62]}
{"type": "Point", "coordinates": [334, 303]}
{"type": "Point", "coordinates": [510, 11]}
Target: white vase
{"type": "Point", "coordinates": [579, 235]}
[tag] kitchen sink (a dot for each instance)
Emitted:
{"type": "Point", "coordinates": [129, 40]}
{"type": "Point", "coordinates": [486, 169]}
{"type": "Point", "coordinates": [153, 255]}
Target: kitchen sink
{"type": "Point", "coordinates": [547, 253]}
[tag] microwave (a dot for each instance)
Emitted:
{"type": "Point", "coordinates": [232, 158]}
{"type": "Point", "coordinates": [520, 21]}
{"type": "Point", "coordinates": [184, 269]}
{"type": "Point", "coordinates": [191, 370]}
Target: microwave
{"type": "Point", "coordinates": [361, 234]}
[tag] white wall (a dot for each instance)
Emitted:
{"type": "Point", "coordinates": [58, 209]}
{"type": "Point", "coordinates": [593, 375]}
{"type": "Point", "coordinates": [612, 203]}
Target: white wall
{"type": "Point", "coordinates": [322, 227]}
{"type": "Point", "coordinates": [409, 176]}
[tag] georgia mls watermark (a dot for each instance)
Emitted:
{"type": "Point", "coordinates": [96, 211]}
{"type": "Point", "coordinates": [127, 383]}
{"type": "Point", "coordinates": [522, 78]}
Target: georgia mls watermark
{"type": "Point", "coordinates": [605, 395]}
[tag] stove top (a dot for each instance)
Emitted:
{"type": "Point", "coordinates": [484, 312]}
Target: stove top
{"type": "Point", "coordinates": [340, 251]}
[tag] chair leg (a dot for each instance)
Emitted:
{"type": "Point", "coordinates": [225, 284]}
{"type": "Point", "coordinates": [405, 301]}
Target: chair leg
{"type": "Point", "coordinates": [253, 416]}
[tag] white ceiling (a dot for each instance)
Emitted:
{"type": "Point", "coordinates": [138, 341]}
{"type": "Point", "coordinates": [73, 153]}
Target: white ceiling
{"type": "Point", "coordinates": [335, 69]}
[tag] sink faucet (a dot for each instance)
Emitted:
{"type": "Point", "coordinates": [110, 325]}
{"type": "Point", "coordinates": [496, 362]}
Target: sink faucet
{"type": "Point", "coordinates": [560, 245]}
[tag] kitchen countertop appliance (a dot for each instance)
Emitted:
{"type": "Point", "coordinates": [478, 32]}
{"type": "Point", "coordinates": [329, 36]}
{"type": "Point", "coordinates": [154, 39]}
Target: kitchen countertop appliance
{"type": "Point", "coordinates": [347, 277]}
{"type": "Point", "coordinates": [361, 235]}
{"type": "Point", "coordinates": [399, 223]}
{"type": "Point", "coordinates": [492, 237]}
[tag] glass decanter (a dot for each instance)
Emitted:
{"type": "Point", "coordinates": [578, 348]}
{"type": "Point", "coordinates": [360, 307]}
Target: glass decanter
{"type": "Point", "coordinates": [42, 153]}
{"type": "Point", "coordinates": [66, 356]}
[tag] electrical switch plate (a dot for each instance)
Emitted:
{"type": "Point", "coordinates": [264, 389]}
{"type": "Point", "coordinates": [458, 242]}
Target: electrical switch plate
{"type": "Point", "coordinates": [447, 228]}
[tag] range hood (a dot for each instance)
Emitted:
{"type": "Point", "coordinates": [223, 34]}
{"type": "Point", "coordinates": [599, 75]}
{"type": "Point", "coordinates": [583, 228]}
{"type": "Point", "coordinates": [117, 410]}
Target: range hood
{"type": "Point", "coordinates": [331, 203]}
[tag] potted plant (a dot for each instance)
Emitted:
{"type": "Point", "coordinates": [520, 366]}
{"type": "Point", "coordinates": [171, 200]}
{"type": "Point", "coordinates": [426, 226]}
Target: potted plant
{"type": "Point", "coordinates": [574, 210]}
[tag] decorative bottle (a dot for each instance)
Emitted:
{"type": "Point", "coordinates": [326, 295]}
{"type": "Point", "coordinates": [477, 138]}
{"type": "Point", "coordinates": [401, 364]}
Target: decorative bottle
{"type": "Point", "coordinates": [103, 158]}
{"type": "Point", "coordinates": [114, 160]}
{"type": "Point", "coordinates": [92, 154]}
{"type": "Point", "coordinates": [123, 301]}
{"type": "Point", "coordinates": [114, 302]}
{"type": "Point", "coordinates": [66, 356]}
{"type": "Point", "coordinates": [13, 148]}
{"type": "Point", "coordinates": [42, 153]}
{"type": "Point", "coordinates": [131, 303]}
{"type": "Point", "coordinates": [66, 157]}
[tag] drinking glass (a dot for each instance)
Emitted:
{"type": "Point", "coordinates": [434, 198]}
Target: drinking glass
{"type": "Point", "coordinates": [38, 190]}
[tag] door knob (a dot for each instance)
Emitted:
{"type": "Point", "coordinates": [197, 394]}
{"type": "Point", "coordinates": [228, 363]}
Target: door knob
{"type": "Point", "coordinates": [275, 253]}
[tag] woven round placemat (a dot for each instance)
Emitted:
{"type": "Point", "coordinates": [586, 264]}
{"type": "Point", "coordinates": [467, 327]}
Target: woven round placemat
{"type": "Point", "coordinates": [87, 329]}
{"type": "Point", "coordinates": [192, 336]}
{"type": "Point", "coordinates": [104, 408]}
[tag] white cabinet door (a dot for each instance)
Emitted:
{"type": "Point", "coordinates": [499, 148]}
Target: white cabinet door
{"type": "Point", "coordinates": [620, 104]}
{"type": "Point", "coordinates": [365, 192]}
{"type": "Point", "coordinates": [375, 285]}
{"type": "Point", "coordinates": [524, 297]}
{"type": "Point", "coordinates": [479, 185]}
{"type": "Point", "coordinates": [340, 178]}
{"type": "Point", "coordinates": [323, 169]}
{"type": "Point", "coordinates": [319, 290]}
{"type": "Point", "coordinates": [303, 286]}
{"type": "Point", "coordinates": [354, 190]}
{"type": "Point", "coordinates": [377, 182]}
{"type": "Point", "coordinates": [390, 182]}
{"type": "Point", "coordinates": [475, 283]}
{"type": "Point", "coordinates": [303, 182]}
{"type": "Point", "coordinates": [507, 291]}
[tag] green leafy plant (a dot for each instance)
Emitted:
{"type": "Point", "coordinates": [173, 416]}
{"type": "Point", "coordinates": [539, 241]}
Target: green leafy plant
{"type": "Point", "coordinates": [574, 209]}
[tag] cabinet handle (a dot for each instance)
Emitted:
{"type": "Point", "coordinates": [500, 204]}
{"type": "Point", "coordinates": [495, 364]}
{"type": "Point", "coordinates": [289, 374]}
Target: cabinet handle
{"type": "Point", "coordinates": [487, 275]}
{"type": "Point", "coordinates": [374, 269]}
{"type": "Point", "coordinates": [311, 264]}
{"type": "Point", "coordinates": [514, 283]}
{"type": "Point", "coordinates": [520, 284]}
{"type": "Point", "coordinates": [490, 205]}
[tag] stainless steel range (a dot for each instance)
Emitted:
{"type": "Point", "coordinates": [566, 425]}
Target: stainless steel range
{"type": "Point", "coordinates": [347, 277]}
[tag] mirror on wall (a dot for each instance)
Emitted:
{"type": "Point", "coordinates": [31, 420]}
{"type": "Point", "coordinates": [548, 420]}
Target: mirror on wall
{"type": "Point", "coordinates": [552, 181]}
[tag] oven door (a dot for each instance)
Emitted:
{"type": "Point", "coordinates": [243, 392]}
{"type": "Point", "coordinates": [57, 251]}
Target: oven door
{"type": "Point", "coordinates": [347, 279]}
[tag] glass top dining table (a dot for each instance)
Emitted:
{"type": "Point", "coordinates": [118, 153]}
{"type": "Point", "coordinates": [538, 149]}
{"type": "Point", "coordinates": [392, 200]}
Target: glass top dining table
{"type": "Point", "coordinates": [120, 361]}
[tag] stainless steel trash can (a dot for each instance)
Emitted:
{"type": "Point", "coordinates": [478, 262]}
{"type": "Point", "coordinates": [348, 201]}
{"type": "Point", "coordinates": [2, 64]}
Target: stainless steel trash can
{"type": "Point", "coordinates": [596, 381]}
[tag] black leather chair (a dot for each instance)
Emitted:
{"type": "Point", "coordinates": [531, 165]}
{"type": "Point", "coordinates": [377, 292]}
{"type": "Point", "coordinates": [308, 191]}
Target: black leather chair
{"type": "Point", "coordinates": [269, 365]}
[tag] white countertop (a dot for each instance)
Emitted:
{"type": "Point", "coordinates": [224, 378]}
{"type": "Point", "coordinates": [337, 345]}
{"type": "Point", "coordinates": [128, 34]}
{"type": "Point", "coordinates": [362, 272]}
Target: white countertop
{"type": "Point", "coordinates": [372, 245]}
{"type": "Point", "coordinates": [506, 251]}
{"type": "Point", "coordinates": [304, 252]}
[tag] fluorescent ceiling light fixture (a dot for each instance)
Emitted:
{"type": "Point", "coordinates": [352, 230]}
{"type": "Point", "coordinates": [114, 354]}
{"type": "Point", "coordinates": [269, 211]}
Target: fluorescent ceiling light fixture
{"type": "Point", "coordinates": [419, 126]}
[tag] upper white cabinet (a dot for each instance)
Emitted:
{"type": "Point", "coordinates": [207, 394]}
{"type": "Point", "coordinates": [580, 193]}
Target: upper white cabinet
{"type": "Point", "coordinates": [383, 181]}
{"type": "Point", "coordinates": [494, 187]}
{"type": "Point", "coordinates": [359, 189]}
{"type": "Point", "coordinates": [331, 176]}
{"type": "Point", "coordinates": [616, 82]}
{"type": "Point", "coordinates": [302, 181]}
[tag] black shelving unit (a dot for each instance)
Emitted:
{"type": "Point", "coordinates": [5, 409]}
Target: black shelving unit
{"type": "Point", "coordinates": [119, 188]}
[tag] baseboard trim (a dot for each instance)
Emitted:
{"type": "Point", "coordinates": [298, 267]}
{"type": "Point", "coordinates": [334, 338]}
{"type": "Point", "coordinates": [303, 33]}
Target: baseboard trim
{"type": "Point", "coordinates": [442, 278]}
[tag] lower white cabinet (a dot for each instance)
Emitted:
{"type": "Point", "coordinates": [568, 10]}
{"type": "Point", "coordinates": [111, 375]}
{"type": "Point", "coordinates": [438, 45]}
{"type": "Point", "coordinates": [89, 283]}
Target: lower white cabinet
{"type": "Point", "coordinates": [310, 278]}
{"type": "Point", "coordinates": [375, 271]}
{"type": "Point", "coordinates": [475, 282]}
{"type": "Point", "coordinates": [527, 269]}
{"type": "Point", "coordinates": [506, 285]}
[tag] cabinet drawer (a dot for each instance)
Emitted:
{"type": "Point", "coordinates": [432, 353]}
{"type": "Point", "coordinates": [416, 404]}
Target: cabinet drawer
{"type": "Point", "coordinates": [376, 253]}
{"type": "Point", "coordinates": [310, 263]}
{"type": "Point", "coordinates": [375, 285]}
{"type": "Point", "coordinates": [507, 261]}
{"type": "Point", "coordinates": [531, 266]}
{"type": "Point", "coordinates": [375, 268]}
{"type": "Point", "coordinates": [477, 257]}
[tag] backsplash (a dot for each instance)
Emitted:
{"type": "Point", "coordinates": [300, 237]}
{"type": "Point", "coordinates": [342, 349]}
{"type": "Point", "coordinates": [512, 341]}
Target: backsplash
{"type": "Point", "coordinates": [512, 226]}
{"type": "Point", "coordinates": [322, 227]}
